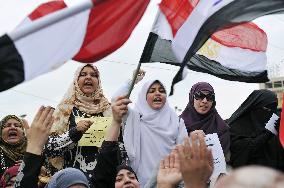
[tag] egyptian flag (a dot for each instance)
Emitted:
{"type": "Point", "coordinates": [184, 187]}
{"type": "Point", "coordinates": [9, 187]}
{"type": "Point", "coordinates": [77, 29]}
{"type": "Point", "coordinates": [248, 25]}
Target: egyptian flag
{"type": "Point", "coordinates": [57, 31]}
{"type": "Point", "coordinates": [214, 37]}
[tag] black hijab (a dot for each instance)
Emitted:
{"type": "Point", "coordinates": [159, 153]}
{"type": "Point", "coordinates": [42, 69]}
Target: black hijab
{"type": "Point", "coordinates": [251, 143]}
{"type": "Point", "coordinates": [126, 167]}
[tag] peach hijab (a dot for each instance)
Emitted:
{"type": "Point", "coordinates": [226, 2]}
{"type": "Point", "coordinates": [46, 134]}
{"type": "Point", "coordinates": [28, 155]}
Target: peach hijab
{"type": "Point", "coordinates": [96, 103]}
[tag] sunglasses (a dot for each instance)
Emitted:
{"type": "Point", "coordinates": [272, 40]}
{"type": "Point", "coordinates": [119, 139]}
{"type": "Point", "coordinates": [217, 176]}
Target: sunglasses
{"type": "Point", "coordinates": [200, 96]}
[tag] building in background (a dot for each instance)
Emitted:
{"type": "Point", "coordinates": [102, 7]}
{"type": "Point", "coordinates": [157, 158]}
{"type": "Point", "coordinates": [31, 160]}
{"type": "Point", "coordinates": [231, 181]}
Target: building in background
{"type": "Point", "coordinates": [276, 85]}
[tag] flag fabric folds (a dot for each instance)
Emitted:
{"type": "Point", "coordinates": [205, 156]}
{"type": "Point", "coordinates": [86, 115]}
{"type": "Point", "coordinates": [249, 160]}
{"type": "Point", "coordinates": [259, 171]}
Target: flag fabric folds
{"type": "Point", "coordinates": [214, 37]}
{"type": "Point", "coordinates": [87, 36]}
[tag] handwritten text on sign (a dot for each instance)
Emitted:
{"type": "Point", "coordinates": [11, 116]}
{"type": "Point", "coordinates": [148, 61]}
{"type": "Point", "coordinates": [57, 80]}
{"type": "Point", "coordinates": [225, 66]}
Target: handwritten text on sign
{"type": "Point", "coordinates": [95, 135]}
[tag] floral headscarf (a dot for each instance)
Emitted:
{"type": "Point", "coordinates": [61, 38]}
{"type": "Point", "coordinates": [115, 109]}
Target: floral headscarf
{"type": "Point", "coordinates": [8, 175]}
{"type": "Point", "coordinates": [15, 151]}
{"type": "Point", "coordinates": [96, 103]}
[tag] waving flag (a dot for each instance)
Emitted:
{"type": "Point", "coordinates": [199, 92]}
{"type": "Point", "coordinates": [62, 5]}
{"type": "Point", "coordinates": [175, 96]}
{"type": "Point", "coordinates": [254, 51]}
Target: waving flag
{"type": "Point", "coordinates": [57, 31]}
{"type": "Point", "coordinates": [214, 37]}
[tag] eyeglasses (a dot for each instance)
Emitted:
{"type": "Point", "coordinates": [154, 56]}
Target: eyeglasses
{"type": "Point", "coordinates": [200, 96]}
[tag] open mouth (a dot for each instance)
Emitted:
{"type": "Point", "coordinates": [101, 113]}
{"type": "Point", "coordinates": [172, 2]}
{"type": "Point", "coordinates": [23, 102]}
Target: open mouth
{"type": "Point", "coordinates": [157, 100]}
{"type": "Point", "coordinates": [88, 83]}
{"type": "Point", "coordinates": [12, 134]}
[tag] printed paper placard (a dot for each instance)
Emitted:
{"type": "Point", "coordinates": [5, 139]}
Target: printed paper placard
{"type": "Point", "coordinates": [95, 135]}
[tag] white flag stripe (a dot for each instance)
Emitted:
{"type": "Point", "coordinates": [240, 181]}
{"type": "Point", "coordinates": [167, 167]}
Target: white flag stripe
{"type": "Point", "coordinates": [239, 59]}
{"type": "Point", "coordinates": [53, 45]}
{"type": "Point", "coordinates": [70, 3]}
{"type": "Point", "coordinates": [234, 57]}
{"type": "Point", "coordinates": [162, 27]}
{"type": "Point", "coordinates": [186, 34]}
{"type": "Point", "coordinates": [51, 19]}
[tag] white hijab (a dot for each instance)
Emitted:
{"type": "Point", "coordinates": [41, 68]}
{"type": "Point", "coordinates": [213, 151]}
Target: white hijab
{"type": "Point", "coordinates": [149, 134]}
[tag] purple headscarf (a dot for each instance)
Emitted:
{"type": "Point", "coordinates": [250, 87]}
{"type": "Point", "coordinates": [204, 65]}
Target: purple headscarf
{"type": "Point", "coordinates": [211, 122]}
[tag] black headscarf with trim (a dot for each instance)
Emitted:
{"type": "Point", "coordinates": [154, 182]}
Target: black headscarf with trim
{"type": "Point", "coordinates": [126, 167]}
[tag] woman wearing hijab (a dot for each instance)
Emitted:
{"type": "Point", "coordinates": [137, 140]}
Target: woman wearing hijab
{"type": "Point", "coordinates": [201, 114]}
{"type": "Point", "coordinates": [30, 168]}
{"type": "Point", "coordinates": [84, 99]}
{"type": "Point", "coordinates": [251, 142]}
{"type": "Point", "coordinates": [68, 178]}
{"type": "Point", "coordinates": [107, 174]}
{"type": "Point", "coordinates": [12, 142]}
{"type": "Point", "coordinates": [151, 130]}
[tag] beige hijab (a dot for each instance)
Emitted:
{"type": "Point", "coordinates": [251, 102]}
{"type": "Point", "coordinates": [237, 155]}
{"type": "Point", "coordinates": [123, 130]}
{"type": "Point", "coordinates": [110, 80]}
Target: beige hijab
{"type": "Point", "coordinates": [97, 103]}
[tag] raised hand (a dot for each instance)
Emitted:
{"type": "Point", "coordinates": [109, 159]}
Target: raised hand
{"type": "Point", "coordinates": [38, 133]}
{"type": "Point", "coordinates": [169, 174]}
{"type": "Point", "coordinates": [119, 108]}
{"type": "Point", "coordinates": [196, 161]}
{"type": "Point", "coordinates": [83, 125]}
{"type": "Point", "coordinates": [140, 76]}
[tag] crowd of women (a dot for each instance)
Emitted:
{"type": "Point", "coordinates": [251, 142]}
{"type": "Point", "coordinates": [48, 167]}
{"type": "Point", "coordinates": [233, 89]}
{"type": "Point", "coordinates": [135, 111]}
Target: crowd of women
{"type": "Point", "coordinates": [146, 145]}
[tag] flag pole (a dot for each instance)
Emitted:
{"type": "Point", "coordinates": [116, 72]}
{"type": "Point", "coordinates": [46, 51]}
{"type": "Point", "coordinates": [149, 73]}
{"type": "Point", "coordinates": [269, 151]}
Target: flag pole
{"type": "Point", "coordinates": [133, 79]}
{"type": "Point", "coordinates": [50, 19]}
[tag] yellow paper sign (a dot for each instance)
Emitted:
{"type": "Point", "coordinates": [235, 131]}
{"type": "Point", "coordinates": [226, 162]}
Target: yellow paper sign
{"type": "Point", "coordinates": [95, 135]}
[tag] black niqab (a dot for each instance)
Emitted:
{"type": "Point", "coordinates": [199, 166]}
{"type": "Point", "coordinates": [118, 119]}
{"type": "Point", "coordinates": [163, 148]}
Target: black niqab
{"type": "Point", "coordinates": [251, 142]}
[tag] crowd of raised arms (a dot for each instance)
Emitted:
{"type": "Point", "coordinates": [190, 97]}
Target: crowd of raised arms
{"type": "Point", "coordinates": [146, 143]}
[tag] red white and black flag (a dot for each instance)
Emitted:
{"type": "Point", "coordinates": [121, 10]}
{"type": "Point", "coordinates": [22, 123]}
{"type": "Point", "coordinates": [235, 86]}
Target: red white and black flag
{"type": "Point", "coordinates": [57, 31]}
{"type": "Point", "coordinates": [213, 36]}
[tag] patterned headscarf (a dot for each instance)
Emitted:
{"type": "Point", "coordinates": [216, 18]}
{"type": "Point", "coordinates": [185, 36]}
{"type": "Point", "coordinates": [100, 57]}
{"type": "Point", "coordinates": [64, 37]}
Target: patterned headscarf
{"type": "Point", "coordinates": [8, 175]}
{"type": "Point", "coordinates": [15, 151]}
{"type": "Point", "coordinates": [96, 103]}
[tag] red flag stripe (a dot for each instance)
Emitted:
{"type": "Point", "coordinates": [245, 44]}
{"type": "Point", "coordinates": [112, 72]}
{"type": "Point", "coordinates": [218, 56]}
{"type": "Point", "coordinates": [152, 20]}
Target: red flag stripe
{"type": "Point", "coordinates": [245, 36]}
{"type": "Point", "coordinates": [105, 35]}
{"type": "Point", "coordinates": [108, 26]}
{"type": "Point", "coordinates": [47, 8]}
{"type": "Point", "coordinates": [177, 12]}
